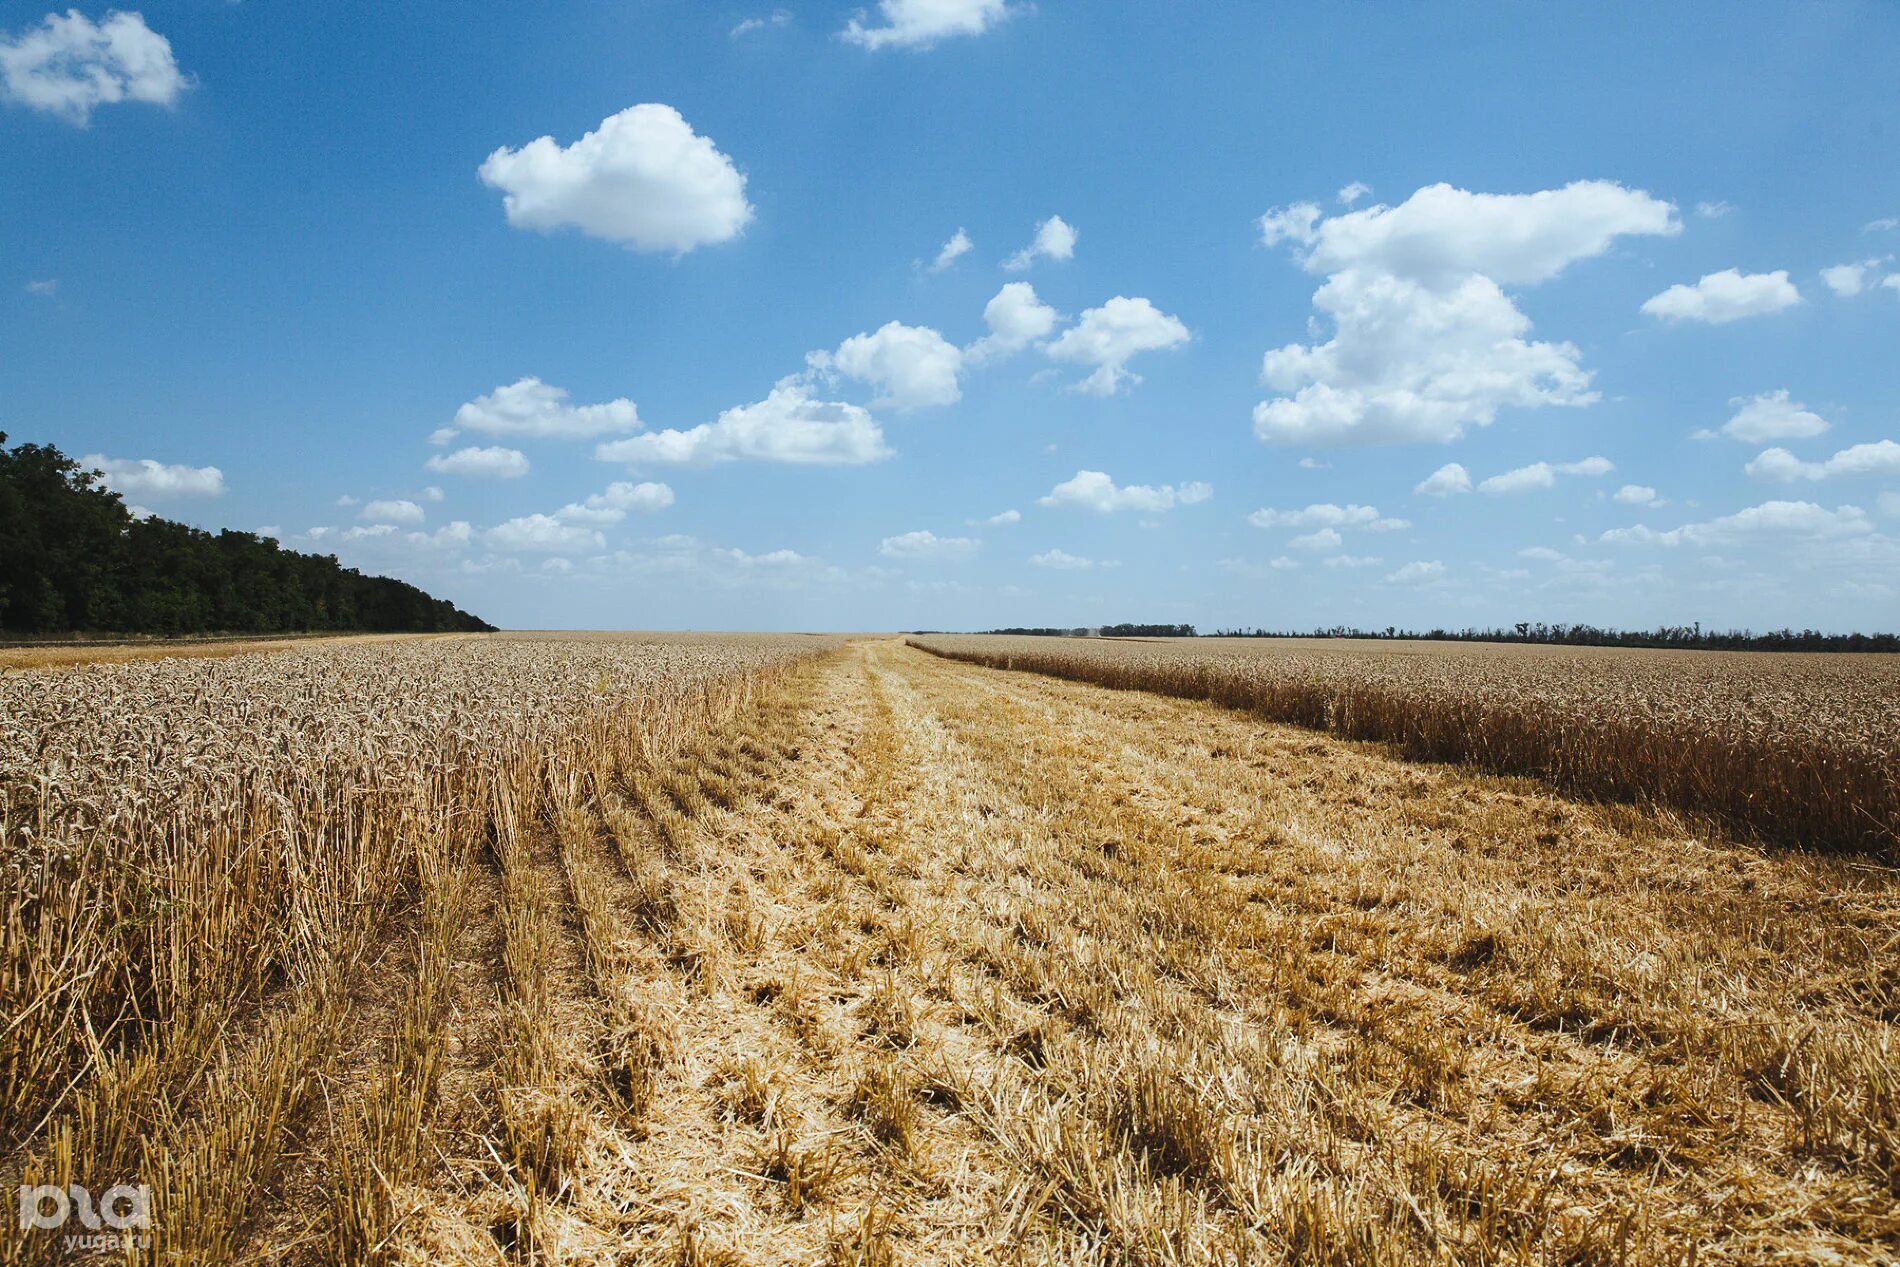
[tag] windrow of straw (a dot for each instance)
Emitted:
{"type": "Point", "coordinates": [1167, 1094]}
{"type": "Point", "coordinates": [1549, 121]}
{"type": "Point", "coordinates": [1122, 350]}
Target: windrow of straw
{"type": "Point", "coordinates": [1821, 784]}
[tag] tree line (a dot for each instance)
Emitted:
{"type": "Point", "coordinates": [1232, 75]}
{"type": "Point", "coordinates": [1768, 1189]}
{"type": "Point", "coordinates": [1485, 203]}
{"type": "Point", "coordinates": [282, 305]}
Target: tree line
{"type": "Point", "coordinates": [73, 559]}
{"type": "Point", "coordinates": [1690, 637]}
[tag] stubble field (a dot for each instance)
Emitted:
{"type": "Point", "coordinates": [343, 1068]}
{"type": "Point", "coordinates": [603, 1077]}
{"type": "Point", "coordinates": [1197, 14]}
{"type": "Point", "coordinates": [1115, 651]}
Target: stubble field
{"type": "Point", "coordinates": [798, 950]}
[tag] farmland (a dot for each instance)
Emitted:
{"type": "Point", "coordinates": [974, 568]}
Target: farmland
{"type": "Point", "coordinates": [723, 949]}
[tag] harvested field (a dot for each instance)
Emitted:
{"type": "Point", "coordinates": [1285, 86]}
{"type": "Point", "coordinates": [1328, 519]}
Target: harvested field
{"type": "Point", "coordinates": [1796, 749]}
{"type": "Point", "coordinates": [776, 950]}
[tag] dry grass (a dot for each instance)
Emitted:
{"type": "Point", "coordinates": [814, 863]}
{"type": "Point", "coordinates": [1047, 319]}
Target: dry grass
{"type": "Point", "coordinates": [718, 951]}
{"type": "Point", "coordinates": [1793, 748]}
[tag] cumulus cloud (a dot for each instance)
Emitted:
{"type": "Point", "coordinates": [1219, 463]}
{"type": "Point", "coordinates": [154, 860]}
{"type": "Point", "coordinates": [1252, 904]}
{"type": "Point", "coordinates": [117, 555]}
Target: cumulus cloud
{"type": "Point", "coordinates": [1063, 561]}
{"type": "Point", "coordinates": [921, 23]}
{"type": "Point", "coordinates": [613, 504]}
{"type": "Point", "coordinates": [68, 66]}
{"type": "Point", "coordinates": [1879, 458]}
{"type": "Point", "coordinates": [745, 26]}
{"type": "Point", "coordinates": [925, 544]}
{"type": "Point", "coordinates": [1319, 540]}
{"type": "Point", "coordinates": [643, 178]}
{"type": "Point", "coordinates": [532, 409]}
{"type": "Point", "coordinates": [1094, 490]}
{"type": "Point", "coordinates": [953, 250]}
{"type": "Point", "coordinates": [144, 477]}
{"type": "Point", "coordinates": [542, 534]}
{"type": "Point", "coordinates": [492, 463]}
{"type": "Point", "coordinates": [1847, 280]}
{"type": "Point", "coordinates": [1772, 416]}
{"type": "Point", "coordinates": [1442, 234]}
{"type": "Point", "coordinates": [1543, 475]}
{"type": "Point", "coordinates": [1016, 318]}
{"type": "Point", "coordinates": [396, 512]}
{"type": "Point", "coordinates": [1726, 296]}
{"type": "Point", "coordinates": [789, 425]}
{"type": "Point", "coordinates": [1425, 342]}
{"type": "Point", "coordinates": [1001, 520]}
{"type": "Point", "coordinates": [913, 366]}
{"type": "Point", "coordinates": [1447, 481]}
{"type": "Point", "coordinates": [1769, 520]}
{"type": "Point", "coordinates": [1055, 240]}
{"type": "Point", "coordinates": [1353, 193]}
{"type": "Point", "coordinates": [1327, 515]}
{"type": "Point", "coordinates": [1638, 495]}
{"type": "Point", "coordinates": [1108, 336]}
{"type": "Point", "coordinates": [1417, 573]}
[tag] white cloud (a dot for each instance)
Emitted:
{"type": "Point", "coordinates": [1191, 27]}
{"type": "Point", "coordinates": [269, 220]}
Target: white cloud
{"type": "Point", "coordinates": [613, 504]}
{"type": "Point", "coordinates": [1002, 519]}
{"type": "Point", "coordinates": [542, 534]}
{"type": "Point", "coordinates": [1849, 279]}
{"type": "Point", "coordinates": [1352, 561]}
{"type": "Point", "coordinates": [781, 558]}
{"type": "Point", "coordinates": [1296, 223]}
{"type": "Point", "coordinates": [433, 494]}
{"type": "Point", "coordinates": [1772, 416]}
{"type": "Point", "coordinates": [1446, 481]}
{"type": "Point", "coordinates": [921, 23]}
{"type": "Point", "coordinates": [1543, 475]}
{"type": "Point", "coordinates": [344, 499]}
{"type": "Point", "coordinates": [1353, 193]}
{"type": "Point", "coordinates": [924, 544]}
{"type": "Point", "coordinates": [1417, 573]}
{"type": "Point", "coordinates": [1062, 561]}
{"type": "Point", "coordinates": [1094, 490]}
{"type": "Point", "coordinates": [958, 245]}
{"type": "Point", "coordinates": [745, 26]}
{"type": "Point", "coordinates": [1441, 234]}
{"type": "Point", "coordinates": [1892, 281]}
{"type": "Point", "coordinates": [643, 178]}
{"type": "Point", "coordinates": [492, 463]}
{"type": "Point", "coordinates": [1407, 363]}
{"type": "Point", "coordinates": [1016, 318]}
{"type": "Point", "coordinates": [1326, 515]}
{"type": "Point", "coordinates": [1770, 519]}
{"type": "Point", "coordinates": [68, 66]}
{"type": "Point", "coordinates": [536, 410]}
{"type": "Point", "coordinates": [1543, 554]}
{"type": "Point", "coordinates": [443, 435]}
{"type": "Point", "coordinates": [913, 366]}
{"type": "Point", "coordinates": [1638, 495]}
{"type": "Point", "coordinates": [1713, 210]}
{"type": "Point", "coordinates": [1726, 296]}
{"type": "Point", "coordinates": [1889, 504]}
{"type": "Point", "coordinates": [787, 426]}
{"type": "Point", "coordinates": [1425, 342]}
{"type": "Point", "coordinates": [146, 478]}
{"type": "Point", "coordinates": [1881, 225]}
{"type": "Point", "coordinates": [45, 289]}
{"type": "Point", "coordinates": [1055, 240]}
{"type": "Point", "coordinates": [1319, 540]}
{"type": "Point", "coordinates": [391, 512]}
{"type": "Point", "coordinates": [1108, 336]}
{"type": "Point", "coordinates": [1879, 458]}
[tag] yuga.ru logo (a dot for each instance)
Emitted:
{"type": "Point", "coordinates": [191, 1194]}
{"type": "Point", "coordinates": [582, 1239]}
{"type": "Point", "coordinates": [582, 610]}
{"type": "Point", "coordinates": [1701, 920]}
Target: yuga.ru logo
{"type": "Point", "coordinates": [120, 1219]}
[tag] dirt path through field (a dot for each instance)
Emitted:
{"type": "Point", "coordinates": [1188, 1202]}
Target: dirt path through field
{"type": "Point", "coordinates": [920, 962]}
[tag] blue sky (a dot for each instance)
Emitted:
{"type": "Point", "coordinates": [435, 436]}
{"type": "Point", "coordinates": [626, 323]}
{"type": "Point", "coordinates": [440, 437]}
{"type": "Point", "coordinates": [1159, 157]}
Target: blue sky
{"type": "Point", "coordinates": [1242, 281]}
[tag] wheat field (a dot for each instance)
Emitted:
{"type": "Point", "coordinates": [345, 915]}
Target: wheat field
{"type": "Point", "coordinates": [725, 949]}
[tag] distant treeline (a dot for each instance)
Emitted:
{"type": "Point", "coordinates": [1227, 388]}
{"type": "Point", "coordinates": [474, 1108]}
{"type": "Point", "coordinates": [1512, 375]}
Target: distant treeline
{"type": "Point", "coordinates": [1683, 637]}
{"type": "Point", "coordinates": [1100, 631]}
{"type": "Point", "coordinates": [73, 559]}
